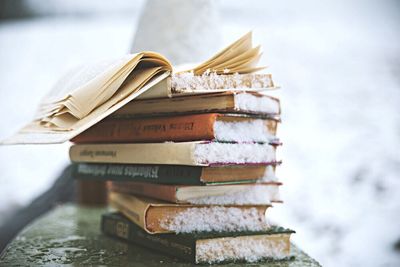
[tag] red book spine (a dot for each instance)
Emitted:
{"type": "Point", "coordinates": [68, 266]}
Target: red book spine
{"type": "Point", "coordinates": [178, 128]}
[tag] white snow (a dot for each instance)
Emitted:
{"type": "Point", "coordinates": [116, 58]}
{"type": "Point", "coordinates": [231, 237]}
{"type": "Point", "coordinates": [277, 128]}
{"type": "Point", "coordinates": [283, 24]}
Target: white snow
{"type": "Point", "coordinates": [250, 249]}
{"type": "Point", "coordinates": [216, 218]}
{"type": "Point", "coordinates": [257, 195]}
{"type": "Point", "coordinates": [34, 54]}
{"type": "Point", "coordinates": [186, 82]}
{"type": "Point", "coordinates": [338, 65]}
{"type": "Point", "coordinates": [269, 175]}
{"type": "Point", "coordinates": [233, 153]}
{"type": "Point", "coordinates": [243, 131]}
{"type": "Point", "coordinates": [254, 103]}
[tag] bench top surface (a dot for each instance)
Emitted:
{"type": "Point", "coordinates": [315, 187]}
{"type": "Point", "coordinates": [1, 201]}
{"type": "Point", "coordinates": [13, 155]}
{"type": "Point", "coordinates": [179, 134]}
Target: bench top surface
{"type": "Point", "coordinates": [69, 235]}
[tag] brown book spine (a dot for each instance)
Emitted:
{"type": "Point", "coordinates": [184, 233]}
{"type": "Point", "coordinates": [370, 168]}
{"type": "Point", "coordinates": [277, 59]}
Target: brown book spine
{"type": "Point", "coordinates": [163, 192]}
{"type": "Point", "coordinates": [177, 128]}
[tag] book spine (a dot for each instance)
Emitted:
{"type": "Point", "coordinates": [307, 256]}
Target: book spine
{"type": "Point", "coordinates": [178, 128]}
{"type": "Point", "coordinates": [135, 210]}
{"type": "Point", "coordinates": [160, 174]}
{"type": "Point", "coordinates": [162, 192]}
{"type": "Point", "coordinates": [172, 244]}
{"type": "Point", "coordinates": [174, 153]}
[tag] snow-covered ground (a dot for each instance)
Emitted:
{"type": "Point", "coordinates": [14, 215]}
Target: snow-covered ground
{"type": "Point", "coordinates": [338, 64]}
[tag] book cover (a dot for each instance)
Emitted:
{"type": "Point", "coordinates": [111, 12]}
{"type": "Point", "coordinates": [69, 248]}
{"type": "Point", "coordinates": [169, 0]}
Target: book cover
{"type": "Point", "coordinates": [156, 216]}
{"type": "Point", "coordinates": [236, 102]}
{"type": "Point", "coordinates": [197, 153]}
{"type": "Point", "coordinates": [224, 194]}
{"type": "Point", "coordinates": [174, 174]}
{"type": "Point", "coordinates": [211, 247]}
{"type": "Point", "coordinates": [194, 127]}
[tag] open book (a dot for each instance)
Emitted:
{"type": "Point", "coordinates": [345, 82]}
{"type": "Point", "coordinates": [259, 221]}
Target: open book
{"type": "Point", "coordinates": [88, 94]}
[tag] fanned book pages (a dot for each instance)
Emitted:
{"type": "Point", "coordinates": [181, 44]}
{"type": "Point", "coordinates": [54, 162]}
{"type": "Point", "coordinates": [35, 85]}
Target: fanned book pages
{"type": "Point", "coordinates": [239, 57]}
{"type": "Point", "coordinates": [81, 91]}
{"type": "Point", "coordinates": [88, 94]}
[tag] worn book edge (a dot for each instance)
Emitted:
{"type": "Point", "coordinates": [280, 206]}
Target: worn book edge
{"type": "Point", "coordinates": [34, 133]}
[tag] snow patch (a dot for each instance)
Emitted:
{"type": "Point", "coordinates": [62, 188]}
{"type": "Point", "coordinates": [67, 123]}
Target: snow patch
{"type": "Point", "coordinates": [217, 218]}
{"type": "Point", "coordinates": [269, 175]}
{"type": "Point", "coordinates": [188, 82]}
{"type": "Point", "coordinates": [215, 153]}
{"type": "Point", "coordinates": [257, 195]}
{"type": "Point", "coordinates": [252, 102]}
{"type": "Point", "coordinates": [250, 249]}
{"type": "Point", "coordinates": [243, 131]}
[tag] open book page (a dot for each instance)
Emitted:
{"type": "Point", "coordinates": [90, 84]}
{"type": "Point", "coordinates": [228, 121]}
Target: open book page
{"type": "Point", "coordinates": [90, 93]}
{"type": "Point", "coordinates": [94, 85]}
{"type": "Point", "coordinates": [36, 133]}
{"type": "Point", "coordinates": [82, 81]}
{"type": "Point", "coordinates": [239, 57]}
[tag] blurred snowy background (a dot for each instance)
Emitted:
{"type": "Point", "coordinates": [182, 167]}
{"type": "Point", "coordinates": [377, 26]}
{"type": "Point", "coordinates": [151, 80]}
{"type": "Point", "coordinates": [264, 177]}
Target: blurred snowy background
{"type": "Point", "coordinates": [338, 63]}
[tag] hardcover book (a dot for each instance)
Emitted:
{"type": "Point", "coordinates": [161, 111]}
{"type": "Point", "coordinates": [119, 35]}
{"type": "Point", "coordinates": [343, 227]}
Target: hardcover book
{"type": "Point", "coordinates": [175, 174]}
{"type": "Point", "coordinates": [196, 127]}
{"type": "Point", "coordinates": [186, 83]}
{"type": "Point", "coordinates": [227, 194]}
{"type": "Point", "coordinates": [213, 247]}
{"type": "Point", "coordinates": [240, 102]}
{"type": "Point", "coordinates": [90, 93]}
{"type": "Point", "coordinates": [201, 153]}
{"type": "Point", "coordinates": [156, 216]}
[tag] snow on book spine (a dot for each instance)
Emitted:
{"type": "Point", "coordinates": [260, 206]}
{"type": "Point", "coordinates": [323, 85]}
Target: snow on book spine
{"type": "Point", "coordinates": [176, 153]}
{"type": "Point", "coordinates": [188, 82]}
{"type": "Point", "coordinates": [234, 194]}
{"type": "Point", "coordinates": [193, 127]}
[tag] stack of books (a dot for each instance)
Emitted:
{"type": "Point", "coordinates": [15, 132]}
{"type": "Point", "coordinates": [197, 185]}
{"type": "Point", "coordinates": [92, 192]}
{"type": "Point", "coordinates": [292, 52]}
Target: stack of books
{"type": "Point", "coordinates": [194, 175]}
{"type": "Point", "coordinates": [190, 156]}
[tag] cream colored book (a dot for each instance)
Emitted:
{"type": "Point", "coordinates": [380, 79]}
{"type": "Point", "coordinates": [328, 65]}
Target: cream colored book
{"type": "Point", "coordinates": [89, 93]}
{"type": "Point", "coordinates": [200, 153]}
{"type": "Point", "coordinates": [250, 103]}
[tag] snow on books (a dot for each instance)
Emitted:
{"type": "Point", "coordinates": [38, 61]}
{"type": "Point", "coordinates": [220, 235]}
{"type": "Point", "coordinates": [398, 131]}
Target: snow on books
{"type": "Point", "coordinates": [220, 194]}
{"type": "Point", "coordinates": [205, 247]}
{"type": "Point", "coordinates": [88, 94]}
{"type": "Point", "coordinates": [190, 152]}
{"type": "Point", "coordinates": [188, 83]}
{"type": "Point", "coordinates": [158, 216]}
{"type": "Point", "coordinates": [196, 153]}
{"type": "Point", "coordinates": [221, 127]}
